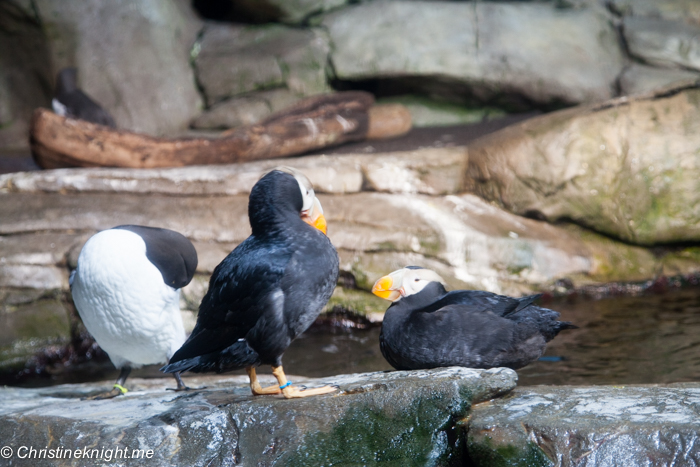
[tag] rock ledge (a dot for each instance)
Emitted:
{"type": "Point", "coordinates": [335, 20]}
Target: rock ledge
{"type": "Point", "coordinates": [399, 417]}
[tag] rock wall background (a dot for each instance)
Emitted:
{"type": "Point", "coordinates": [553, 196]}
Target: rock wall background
{"type": "Point", "coordinates": [164, 66]}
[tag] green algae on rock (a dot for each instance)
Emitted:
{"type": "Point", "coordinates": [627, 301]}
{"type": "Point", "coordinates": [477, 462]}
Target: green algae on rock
{"type": "Point", "coordinates": [628, 168]}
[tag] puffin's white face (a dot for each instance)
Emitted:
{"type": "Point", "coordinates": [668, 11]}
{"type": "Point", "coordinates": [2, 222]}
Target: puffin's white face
{"type": "Point", "coordinates": [311, 211]}
{"type": "Point", "coordinates": [404, 282]}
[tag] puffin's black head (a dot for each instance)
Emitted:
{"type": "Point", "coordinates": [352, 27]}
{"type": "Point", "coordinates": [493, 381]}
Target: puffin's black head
{"type": "Point", "coordinates": [284, 194]}
{"type": "Point", "coordinates": [66, 80]}
{"type": "Point", "coordinates": [405, 282]}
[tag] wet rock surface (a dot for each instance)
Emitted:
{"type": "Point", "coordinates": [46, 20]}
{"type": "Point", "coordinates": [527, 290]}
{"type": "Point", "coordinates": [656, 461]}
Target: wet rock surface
{"type": "Point", "coordinates": [392, 417]}
{"type": "Point", "coordinates": [588, 426]}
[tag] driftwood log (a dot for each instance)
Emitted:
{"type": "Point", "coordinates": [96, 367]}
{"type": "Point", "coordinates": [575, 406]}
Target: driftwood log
{"type": "Point", "coordinates": [311, 124]}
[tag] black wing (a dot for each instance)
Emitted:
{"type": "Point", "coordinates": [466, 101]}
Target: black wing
{"type": "Point", "coordinates": [241, 288]}
{"type": "Point", "coordinates": [479, 300]}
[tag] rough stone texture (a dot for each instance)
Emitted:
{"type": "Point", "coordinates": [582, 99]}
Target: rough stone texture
{"type": "Point", "coordinates": [495, 48]}
{"type": "Point", "coordinates": [628, 168]}
{"type": "Point", "coordinates": [399, 418]}
{"type": "Point", "coordinates": [588, 426]}
{"type": "Point", "coordinates": [132, 57]}
{"type": "Point", "coordinates": [687, 11]}
{"type": "Point", "coordinates": [245, 110]}
{"type": "Point", "coordinates": [384, 211]}
{"type": "Point", "coordinates": [429, 171]}
{"type": "Point", "coordinates": [640, 79]}
{"type": "Point", "coordinates": [234, 59]}
{"type": "Point", "coordinates": [466, 238]}
{"type": "Point", "coordinates": [663, 42]}
{"type": "Point", "coordinates": [29, 320]}
{"type": "Point", "coordinates": [25, 72]}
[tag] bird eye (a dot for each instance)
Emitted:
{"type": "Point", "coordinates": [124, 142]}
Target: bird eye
{"type": "Point", "coordinates": [417, 280]}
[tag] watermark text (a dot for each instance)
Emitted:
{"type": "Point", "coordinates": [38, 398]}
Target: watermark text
{"type": "Point", "coordinates": [106, 454]}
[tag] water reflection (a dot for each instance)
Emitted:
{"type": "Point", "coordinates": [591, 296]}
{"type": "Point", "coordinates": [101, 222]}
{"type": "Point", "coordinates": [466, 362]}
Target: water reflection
{"type": "Point", "coordinates": [621, 340]}
{"type": "Point", "coordinates": [625, 340]}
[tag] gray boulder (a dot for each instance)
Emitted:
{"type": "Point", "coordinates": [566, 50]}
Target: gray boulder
{"type": "Point", "coordinates": [686, 11]}
{"type": "Point", "coordinates": [663, 42]}
{"type": "Point", "coordinates": [640, 79]}
{"type": "Point", "coordinates": [132, 57]}
{"type": "Point", "coordinates": [531, 49]}
{"type": "Point", "coordinates": [399, 418]}
{"type": "Point", "coordinates": [245, 110]}
{"type": "Point", "coordinates": [627, 168]}
{"type": "Point", "coordinates": [235, 59]}
{"type": "Point", "coordinates": [25, 72]}
{"type": "Point", "coordinates": [588, 426]}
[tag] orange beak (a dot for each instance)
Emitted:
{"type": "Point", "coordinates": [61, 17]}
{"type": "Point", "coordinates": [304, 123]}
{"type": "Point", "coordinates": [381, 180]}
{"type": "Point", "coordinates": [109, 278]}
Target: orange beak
{"type": "Point", "coordinates": [314, 216]}
{"type": "Point", "coordinates": [385, 288]}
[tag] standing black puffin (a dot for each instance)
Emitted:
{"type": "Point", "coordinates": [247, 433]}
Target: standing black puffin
{"type": "Point", "coordinates": [126, 289]}
{"type": "Point", "coordinates": [268, 290]}
{"type": "Point", "coordinates": [428, 327]}
{"type": "Point", "coordinates": [70, 101]}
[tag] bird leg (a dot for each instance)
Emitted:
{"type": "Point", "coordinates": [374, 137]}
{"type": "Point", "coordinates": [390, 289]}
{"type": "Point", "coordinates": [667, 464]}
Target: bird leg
{"type": "Point", "coordinates": [181, 385]}
{"type": "Point", "coordinates": [291, 392]}
{"type": "Point", "coordinates": [118, 388]}
{"type": "Point", "coordinates": [255, 384]}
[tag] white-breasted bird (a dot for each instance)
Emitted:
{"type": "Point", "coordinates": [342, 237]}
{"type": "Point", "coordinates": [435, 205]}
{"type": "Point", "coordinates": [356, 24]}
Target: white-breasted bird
{"type": "Point", "coordinates": [126, 288]}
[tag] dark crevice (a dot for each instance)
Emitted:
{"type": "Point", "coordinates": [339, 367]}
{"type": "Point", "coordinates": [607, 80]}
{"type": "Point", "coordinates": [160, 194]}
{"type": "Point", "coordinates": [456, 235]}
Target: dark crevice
{"type": "Point", "coordinates": [619, 30]}
{"type": "Point", "coordinates": [445, 89]}
{"type": "Point", "coordinates": [240, 11]}
{"type": "Point", "coordinates": [614, 11]}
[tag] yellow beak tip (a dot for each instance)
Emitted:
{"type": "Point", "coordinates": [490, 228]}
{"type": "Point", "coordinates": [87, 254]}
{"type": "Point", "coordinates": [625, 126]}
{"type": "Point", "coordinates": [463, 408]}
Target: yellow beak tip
{"type": "Point", "coordinates": [382, 288]}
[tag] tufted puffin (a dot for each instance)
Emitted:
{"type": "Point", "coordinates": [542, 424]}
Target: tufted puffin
{"type": "Point", "coordinates": [126, 289]}
{"type": "Point", "coordinates": [428, 327]}
{"type": "Point", "coordinates": [268, 290]}
{"type": "Point", "coordinates": [70, 101]}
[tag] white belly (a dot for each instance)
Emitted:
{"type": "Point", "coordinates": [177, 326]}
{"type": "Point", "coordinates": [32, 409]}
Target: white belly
{"type": "Point", "coordinates": [122, 299]}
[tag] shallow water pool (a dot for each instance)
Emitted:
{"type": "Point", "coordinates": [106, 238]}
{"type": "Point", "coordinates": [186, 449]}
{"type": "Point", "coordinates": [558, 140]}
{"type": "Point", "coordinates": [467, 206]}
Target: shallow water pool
{"type": "Point", "coordinates": [652, 338]}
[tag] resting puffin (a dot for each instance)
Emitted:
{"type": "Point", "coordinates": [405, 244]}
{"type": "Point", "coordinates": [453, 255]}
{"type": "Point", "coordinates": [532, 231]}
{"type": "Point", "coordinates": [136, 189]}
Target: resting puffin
{"type": "Point", "coordinates": [70, 101]}
{"type": "Point", "coordinates": [268, 290]}
{"type": "Point", "coordinates": [127, 291]}
{"type": "Point", "coordinates": [428, 327]}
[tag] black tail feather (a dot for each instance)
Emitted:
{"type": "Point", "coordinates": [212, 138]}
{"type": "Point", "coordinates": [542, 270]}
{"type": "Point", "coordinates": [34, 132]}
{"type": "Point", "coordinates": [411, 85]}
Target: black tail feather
{"type": "Point", "coordinates": [233, 357]}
